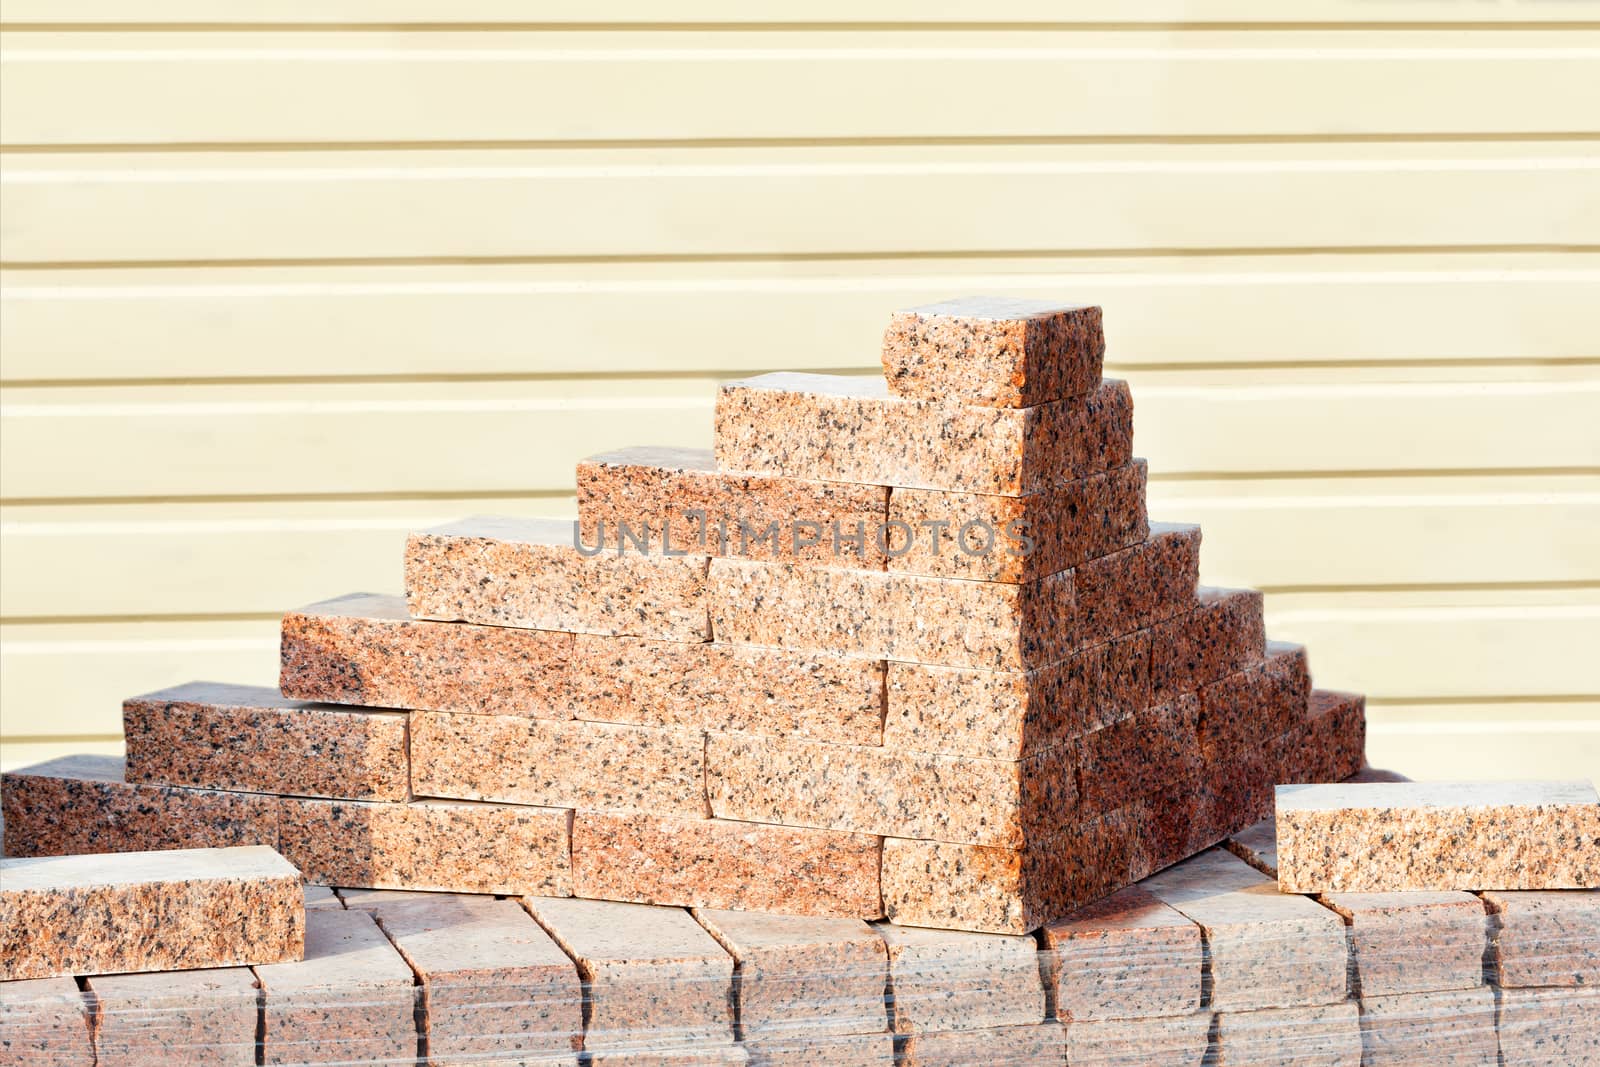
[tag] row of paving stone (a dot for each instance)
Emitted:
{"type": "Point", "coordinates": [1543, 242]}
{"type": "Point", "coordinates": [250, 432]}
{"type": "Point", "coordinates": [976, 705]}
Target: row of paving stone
{"type": "Point", "coordinates": [1204, 959]}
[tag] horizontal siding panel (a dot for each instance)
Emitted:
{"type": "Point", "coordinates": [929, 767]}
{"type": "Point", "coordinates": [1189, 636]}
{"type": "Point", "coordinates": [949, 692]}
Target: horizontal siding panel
{"type": "Point", "coordinates": [516, 437]}
{"type": "Point", "coordinates": [198, 88]}
{"type": "Point", "coordinates": [620, 318]}
{"type": "Point", "coordinates": [1483, 743]}
{"type": "Point", "coordinates": [107, 208]}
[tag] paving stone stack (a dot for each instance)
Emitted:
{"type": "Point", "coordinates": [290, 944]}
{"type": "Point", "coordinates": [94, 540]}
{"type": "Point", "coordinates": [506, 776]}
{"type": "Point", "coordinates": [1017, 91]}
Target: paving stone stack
{"type": "Point", "coordinates": [903, 647]}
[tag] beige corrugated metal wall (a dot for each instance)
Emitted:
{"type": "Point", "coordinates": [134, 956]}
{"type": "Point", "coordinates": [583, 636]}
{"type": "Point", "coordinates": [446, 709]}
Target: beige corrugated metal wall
{"type": "Point", "coordinates": [286, 278]}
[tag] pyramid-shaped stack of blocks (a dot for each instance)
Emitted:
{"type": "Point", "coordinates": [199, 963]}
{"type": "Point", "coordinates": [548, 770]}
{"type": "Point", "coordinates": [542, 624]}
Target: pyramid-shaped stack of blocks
{"type": "Point", "coordinates": [902, 647]}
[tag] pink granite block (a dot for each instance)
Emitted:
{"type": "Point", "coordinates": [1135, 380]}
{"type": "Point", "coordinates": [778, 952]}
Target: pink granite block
{"type": "Point", "coordinates": [1450, 1028]}
{"type": "Point", "coordinates": [215, 736]}
{"type": "Point", "coordinates": [996, 351]}
{"type": "Point", "coordinates": [799, 1050]}
{"type": "Point", "coordinates": [148, 911]}
{"type": "Point", "coordinates": [366, 648]}
{"type": "Point", "coordinates": [708, 1054]}
{"type": "Point", "coordinates": [716, 686]}
{"type": "Point", "coordinates": [203, 1018]}
{"type": "Point", "coordinates": [1168, 1040]}
{"type": "Point", "coordinates": [1252, 707]}
{"type": "Point", "coordinates": [1127, 956]}
{"type": "Point", "coordinates": [79, 804]}
{"type": "Point", "coordinates": [1139, 586]}
{"type": "Point", "coordinates": [558, 763]}
{"type": "Point", "coordinates": [714, 863]}
{"type": "Point", "coordinates": [1223, 635]}
{"type": "Point", "coordinates": [992, 625]}
{"type": "Point", "coordinates": [44, 1022]}
{"type": "Point", "coordinates": [1549, 1027]}
{"type": "Point", "coordinates": [1384, 836]}
{"type": "Point", "coordinates": [531, 573]}
{"type": "Point", "coordinates": [1330, 745]}
{"type": "Point", "coordinates": [1323, 1035]}
{"type": "Point", "coordinates": [1127, 760]}
{"type": "Point", "coordinates": [1016, 538]}
{"type": "Point", "coordinates": [800, 976]}
{"type": "Point", "coordinates": [322, 898]}
{"type": "Point", "coordinates": [1545, 938]}
{"type": "Point", "coordinates": [442, 845]}
{"type": "Point", "coordinates": [791, 425]}
{"type": "Point", "coordinates": [956, 980]}
{"type": "Point", "coordinates": [655, 979]}
{"type": "Point", "coordinates": [676, 498]}
{"type": "Point", "coordinates": [350, 1000]}
{"type": "Point", "coordinates": [1035, 1045]}
{"type": "Point", "coordinates": [1413, 942]}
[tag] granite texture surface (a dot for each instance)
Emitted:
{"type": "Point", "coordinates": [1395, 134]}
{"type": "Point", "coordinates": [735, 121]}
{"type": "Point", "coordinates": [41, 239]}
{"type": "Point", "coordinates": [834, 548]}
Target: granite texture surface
{"type": "Point", "coordinates": [1224, 634]}
{"type": "Point", "coordinates": [1413, 942]}
{"type": "Point", "coordinates": [798, 1050]}
{"type": "Point", "coordinates": [1034, 1045]}
{"type": "Point", "coordinates": [1450, 1027]}
{"type": "Point", "coordinates": [1253, 706]}
{"type": "Point", "coordinates": [44, 1021]}
{"type": "Point", "coordinates": [1549, 1027]}
{"type": "Point", "coordinates": [1545, 937]}
{"type": "Point", "coordinates": [202, 1018]}
{"type": "Point", "coordinates": [1169, 1040]}
{"type": "Point", "coordinates": [1138, 586]}
{"type": "Point", "coordinates": [1124, 762]}
{"type": "Point", "coordinates": [954, 980]}
{"type": "Point", "coordinates": [1127, 956]}
{"type": "Point", "coordinates": [1322, 1034]}
{"type": "Point", "coordinates": [1330, 745]}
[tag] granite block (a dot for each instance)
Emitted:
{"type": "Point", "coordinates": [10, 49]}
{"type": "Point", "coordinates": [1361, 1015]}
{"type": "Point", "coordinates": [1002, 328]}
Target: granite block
{"type": "Point", "coordinates": [215, 736]}
{"type": "Point", "coordinates": [714, 863]}
{"type": "Point", "coordinates": [1224, 634]}
{"type": "Point", "coordinates": [709, 1054]}
{"type": "Point", "coordinates": [366, 648]}
{"type": "Point", "coordinates": [1127, 956]}
{"type": "Point", "coordinates": [1383, 836]}
{"type": "Point", "coordinates": [1545, 938]}
{"type": "Point", "coordinates": [442, 845]}
{"type": "Point", "coordinates": [956, 980]}
{"type": "Point", "coordinates": [146, 911]}
{"type": "Point", "coordinates": [1016, 538]}
{"type": "Point", "coordinates": [1266, 949]}
{"type": "Point", "coordinates": [654, 977]}
{"type": "Point", "coordinates": [1323, 1035]}
{"type": "Point", "coordinates": [596, 765]}
{"type": "Point", "coordinates": [530, 573]}
{"type": "Point", "coordinates": [321, 897]}
{"type": "Point", "coordinates": [1250, 708]}
{"type": "Point", "coordinates": [880, 791]}
{"type": "Point", "coordinates": [1413, 942]}
{"type": "Point", "coordinates": [798, 1050]}
{"type": "Point", "coordinates": [879, 615]}
{"type": "Point", "coordinates": [1138, 586]}
{"type": "Point", "coordinates": [1450, 1028]}
{"type": "Point", "coordinates": [1549, 1027]}
{"type": "Point", "coordinates": [1127, 760]}
{"type": "Point", "coordinates": [1330, 745]}
{"type": "Point", "coordinates": [676, 497]}
{"type": "Point", "coordinates": [996, 351]}
{"type": "Point", "coordinates": [1034, 1045]}
{"type": "Point", "coordinates": [81, 804]}
{"type": "Point", "coordinates": [349, 1001]}
{"type": "Point", "coordinates": [723, 687]}
{"type": "Point", "coordinates": [1170, 1040]}
{"type": "Point", "coordinates": [202, 1018]}
{"type": "Point", "coordinates": [495, 986]}
{"type": "Point", "coordinates": [44, 1022]}
{"type": "Point", "coordinates": [792, 425]}
{"type": "Point", "coordinates": [802, 977]}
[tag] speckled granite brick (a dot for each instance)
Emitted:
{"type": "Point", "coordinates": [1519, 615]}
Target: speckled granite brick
{"type": "Point", "coordinates": [1138, 586]}
{"type": "Point", "coordinates": [1170, 1040]}
{"type": "Point", "coordinates": [1127, 956]}
{"type": "Point", "coordinates": [1016, 538]}
{"type": "Point", "coordinates": [1035, 1045]}
{"type": "Point", "coordinates": [146, 911]}
{"type": "Point", "coordinates": [650, 971]}
{"type": "Point", "coordinates": [1549, 1027]}
{"type": "Point", "coordinates": [1252, 707]}
{"type": "Point", "coordinates": [1125, 761]}
{"type": "Point", "coordinates": [1323, 1035]}
{"type": "Point", "coordinates": [1266, 949]}
{"type": "Point", "coordinates": [215, 736]}
{"type": "Point", "coordinates": [792, 425]}
{"type": "Point", "coordinates": [366, 649]}
{"type": "Point", "coordinates": [1224, 634]}
{"type": "Point", "coordinates": [844, 1050]}
{"type": "Point", "coordinates": [495, 987]}
{"type": "Point", "coordinates": [715, 863]}
{"type": "Point", "coordinates": [1384, 836]}
{"type": "Point", "coordinates": [1451, 1028]}
{"type": "Point", "coordinates": [803, 976]}
{"type": "Point", "coordinates": [78, 804]}
{"type": "Point", "coordinates": [993, 350]}
{"type": "Point", "coordinates": [879, 791]}
{"type": "Point", "coordinates": [349, 1001]}
{"type": "Point", "coordinates": [1545, 937]}
{"type": "Point", "coordinates": [1330, 745]}
{"type": "Point", "coordinates": [529, 573]}
{"type": "Point", "coordinates": [657, 493]}
{"type": "Point", "coordinates": [871, 614]}
{"type": "Point", "coordinates": [443, 845]}
{"type": "Point", "coordinates": [321, 897]}
{"type": "Point", "coordinates": [956, 980]}
{"type": "Point", "coordinates": [44, 1021]}
{"type": "Point", "coordinates": [204, 1018]}
{"type": "Point", "coordinates": [596, 765]}
{"type": "Point", "coordinates": [718, 686]}
{"type": "Point", "coordinates": [1413, 942]}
